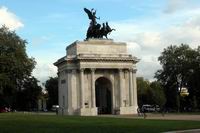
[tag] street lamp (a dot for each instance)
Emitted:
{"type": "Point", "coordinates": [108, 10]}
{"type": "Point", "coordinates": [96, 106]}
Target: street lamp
{"type": "Point", "coordinates": [179, 87]}
{"type": "Point", "coordinates": [184, 92]}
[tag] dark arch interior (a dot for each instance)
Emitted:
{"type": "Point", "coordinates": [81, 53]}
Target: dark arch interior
{"type": "Point", "coordinates": [103, 95]}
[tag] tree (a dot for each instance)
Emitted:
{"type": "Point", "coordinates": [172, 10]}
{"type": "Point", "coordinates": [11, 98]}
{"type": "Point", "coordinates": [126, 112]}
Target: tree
{"type": "Point", "coordinates": [144, 92]}
{"type": "Point", "coordinates": [52, 89]}
{"type": "Point", "coordinates": [158, 94]}
{"type": "Point", "coordinates": [28, 97]}
{"type": "Point", "coordinates": [180, 68]}
{"type": "Point", "coordinates": [15, 65]}
{"type": "Point", "coordinates": [150, 93]}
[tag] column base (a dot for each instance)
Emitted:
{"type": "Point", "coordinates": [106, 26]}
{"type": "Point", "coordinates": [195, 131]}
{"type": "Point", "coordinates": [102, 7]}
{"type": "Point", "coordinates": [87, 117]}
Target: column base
{"type": "Point", "coordinates": [128, 110]}
{"type": "Point", "coordinates": [65, 111]}
{"type": "Point", "coordinates": [88, 111]}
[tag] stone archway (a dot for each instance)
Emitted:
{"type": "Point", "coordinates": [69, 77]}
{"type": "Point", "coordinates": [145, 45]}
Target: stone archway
{"type": "Point", "coordinates": [103, 95]}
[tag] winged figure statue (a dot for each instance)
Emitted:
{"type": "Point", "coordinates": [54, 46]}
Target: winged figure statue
{"type": "Point", "coordinates": [95, 29]}
{"type": "Point", "coordinates": [91, 15]}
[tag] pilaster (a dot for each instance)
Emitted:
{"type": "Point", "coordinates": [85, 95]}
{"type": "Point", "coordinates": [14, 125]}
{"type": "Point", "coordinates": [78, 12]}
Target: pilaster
{"type": "Point", "coordinates": [135, 103]}
{"type": "Point", "coordinates": [82, 95]}
{"type": "Point", "coordinates": [93, 88]}
{"type": "Point", "coordinates": [130, 87]}
{"type": "Point", "coordinates": [121, 87]}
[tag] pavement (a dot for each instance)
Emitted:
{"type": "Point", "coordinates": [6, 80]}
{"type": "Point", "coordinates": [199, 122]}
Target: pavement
{"type": "Point", "coordinates": [185, 131]}
{"type": "Point", "coordinates": [164, 117]}
{"type": "Point", "coordinates": [160, 116]}
{"type": "Point", "coordinates": [173, 117]}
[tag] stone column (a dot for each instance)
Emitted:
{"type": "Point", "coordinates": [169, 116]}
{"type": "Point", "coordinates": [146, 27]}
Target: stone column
{"type": "Point", "coordinates": [93, 88]}
{"type": "Point", "coordinates": [82, 88]}
{"type": "Point", "coordinates": [134, 89]}
{"type": "Point", "coordinates": [74, 89]}
{"type": "Point", "coordinates": [69, 92]}
{"type": "Point", "coordinates": [130, 87]}
{"type": "Point", "coordinates": [121, 87]}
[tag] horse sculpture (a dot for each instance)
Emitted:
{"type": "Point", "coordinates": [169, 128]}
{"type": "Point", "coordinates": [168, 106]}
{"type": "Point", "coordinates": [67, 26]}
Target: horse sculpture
{"type": "Point", "coordinates": [95, 30]}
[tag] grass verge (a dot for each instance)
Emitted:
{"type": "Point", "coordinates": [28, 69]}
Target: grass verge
{"type": "Point", "coordinates": [26, 123]}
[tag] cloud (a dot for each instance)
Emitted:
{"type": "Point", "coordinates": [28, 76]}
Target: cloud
{"type": "Point", "coordinates": [40, 40]}
{"type": "Point", "coordinates": [147, 69]}
{"type": "Point", "coordinates": [44, 70]}
{"type": "Point", "coordinates": [134, 49]}
{"type": "Point", "coordinates": [187, 32]}
{"type": "Point", "coordinates": [9, 19]}
{"type": "Point", "coordinates": [125, 30]}
{"type": "Point", "coordinates": [174, 5]}
{"type": "Point", "coordinates": [193, 22]}
{"type": "Point", "coordinates": [146, 38]}
{"type": "Point", "coordinates": [147, 41]}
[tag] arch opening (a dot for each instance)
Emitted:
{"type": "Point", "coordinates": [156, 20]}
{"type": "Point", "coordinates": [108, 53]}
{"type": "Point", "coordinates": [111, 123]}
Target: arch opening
{"type": "Point", "coordinates": [103, 95]}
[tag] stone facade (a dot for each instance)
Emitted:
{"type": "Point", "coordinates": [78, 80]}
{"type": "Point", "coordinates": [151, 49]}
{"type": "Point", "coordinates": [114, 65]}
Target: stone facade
{"type": "Point", "coordinates": [97, 77]}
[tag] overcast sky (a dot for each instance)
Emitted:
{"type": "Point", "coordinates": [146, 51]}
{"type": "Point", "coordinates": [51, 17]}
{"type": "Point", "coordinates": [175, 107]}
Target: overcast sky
{"type": "Point", "coordinates": [147, 26]}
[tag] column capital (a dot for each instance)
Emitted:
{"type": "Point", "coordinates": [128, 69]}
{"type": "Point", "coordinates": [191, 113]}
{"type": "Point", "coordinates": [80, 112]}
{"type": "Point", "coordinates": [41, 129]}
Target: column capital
{"type": "Point", "coordinates": [120, 69]}
{"type": "Point", "coordinates": [130, 69]}
{"type": "Point", "coordinates": [82, 69]}
{"type": "Point", "coordinates": [92, 69]}
{"type": "Point", "coordinates": [134, 70]}
{"type": "Point", "coordinates": [73, 70]}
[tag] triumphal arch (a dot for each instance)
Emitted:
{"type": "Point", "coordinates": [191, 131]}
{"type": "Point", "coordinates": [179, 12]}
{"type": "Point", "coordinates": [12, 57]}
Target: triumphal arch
{"type": "Point", "coordinates": [97, 76]}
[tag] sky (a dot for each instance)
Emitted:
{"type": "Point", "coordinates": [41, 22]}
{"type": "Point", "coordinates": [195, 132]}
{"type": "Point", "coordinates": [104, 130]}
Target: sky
{"type": "Point", "coordinates": [147, 26]}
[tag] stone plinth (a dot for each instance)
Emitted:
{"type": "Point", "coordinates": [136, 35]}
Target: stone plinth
{"type": "Point", "coordinates": [96, 47]}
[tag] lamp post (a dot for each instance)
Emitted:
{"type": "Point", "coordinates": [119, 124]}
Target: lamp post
{"type": "Point", "coordinates": [179, 87]}
{"type": "Point", "coordinates": [182, 91]}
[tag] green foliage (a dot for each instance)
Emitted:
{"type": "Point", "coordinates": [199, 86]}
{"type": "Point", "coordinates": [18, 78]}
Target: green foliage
{"type": "Point", "coordinates": [144, 92]}
{"type": "Point", "coordinates": [19, 123]}
{"type": "Point", "coordinates": [150, 93]}
{"type": "Point", "coordinates": [15, 66]}
{"type": "Point", "coordinates": [158, 94]}
{"type": "Point", "coordinates": [180, 68]}
{"type": "Point", "coordinates": [28, 97]}
{"type": "Point", "coordinates": [52, 89]}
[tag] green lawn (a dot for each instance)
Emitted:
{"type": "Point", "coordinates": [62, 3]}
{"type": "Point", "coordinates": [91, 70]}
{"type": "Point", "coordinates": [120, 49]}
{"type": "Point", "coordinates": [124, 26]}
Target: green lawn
{"type": "Point", "coordinates": [24, 123]}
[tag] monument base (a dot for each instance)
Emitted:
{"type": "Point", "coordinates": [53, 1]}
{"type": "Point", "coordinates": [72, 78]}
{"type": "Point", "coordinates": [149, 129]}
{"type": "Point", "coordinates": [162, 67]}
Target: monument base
{"type": "Point", "coordinates": [88, 112]}
{"type": "Point", "coordinates": [128, 110]}
{"type": "Point", "coordinates": [65, 111]}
